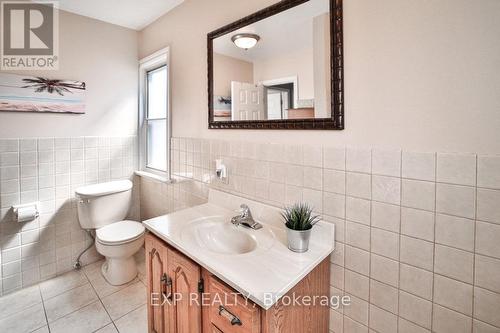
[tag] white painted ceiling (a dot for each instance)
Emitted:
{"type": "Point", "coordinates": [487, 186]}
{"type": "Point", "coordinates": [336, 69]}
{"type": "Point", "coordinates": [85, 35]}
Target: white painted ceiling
{"type": "Point", "coordinates": [281, 33]}
{"type": "Point", "coordinates": [134, 14]}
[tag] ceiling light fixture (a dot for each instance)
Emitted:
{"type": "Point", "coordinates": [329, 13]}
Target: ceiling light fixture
{"type": "Point", "coordinates": [245, 41]}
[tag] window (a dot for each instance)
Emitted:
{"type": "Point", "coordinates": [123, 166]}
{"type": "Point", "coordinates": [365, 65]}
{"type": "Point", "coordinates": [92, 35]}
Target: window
{"type": "Point", "coordinates": [154, 114]}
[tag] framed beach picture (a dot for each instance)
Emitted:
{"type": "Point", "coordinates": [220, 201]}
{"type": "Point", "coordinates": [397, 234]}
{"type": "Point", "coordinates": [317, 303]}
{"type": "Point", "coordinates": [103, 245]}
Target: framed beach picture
{"type": "Point", "coordinates": [38, 94]}
{"type": "Point", "coordinates": [222, 107]}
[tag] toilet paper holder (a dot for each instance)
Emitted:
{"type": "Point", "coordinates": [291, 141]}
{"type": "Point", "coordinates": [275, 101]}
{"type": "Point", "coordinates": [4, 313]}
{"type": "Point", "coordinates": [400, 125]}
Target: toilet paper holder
{"type": "Point", "coordinates": [26, 212]}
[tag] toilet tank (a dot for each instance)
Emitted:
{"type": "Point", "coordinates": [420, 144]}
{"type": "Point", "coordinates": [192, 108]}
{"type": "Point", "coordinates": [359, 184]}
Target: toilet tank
{"type": "Point", "coordinates": [101, 204]}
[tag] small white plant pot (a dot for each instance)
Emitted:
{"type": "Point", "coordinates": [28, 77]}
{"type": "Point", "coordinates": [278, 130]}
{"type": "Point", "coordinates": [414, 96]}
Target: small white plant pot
{"type": "Point", "coordinates": [298, 240]}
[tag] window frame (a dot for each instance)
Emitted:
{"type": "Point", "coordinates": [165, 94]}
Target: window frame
{"type": "Point", "coordinates": [150, 63]}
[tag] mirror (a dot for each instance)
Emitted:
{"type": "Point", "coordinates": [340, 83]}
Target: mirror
{"type": "Point", "coordinates": [273, 69]}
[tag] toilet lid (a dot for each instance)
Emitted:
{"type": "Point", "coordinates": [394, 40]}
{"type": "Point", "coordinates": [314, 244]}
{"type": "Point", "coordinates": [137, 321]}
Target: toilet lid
{"type": "Point", "coordinates": [120, 232]}
{"type": "Point", "coordinates": [97, 190]}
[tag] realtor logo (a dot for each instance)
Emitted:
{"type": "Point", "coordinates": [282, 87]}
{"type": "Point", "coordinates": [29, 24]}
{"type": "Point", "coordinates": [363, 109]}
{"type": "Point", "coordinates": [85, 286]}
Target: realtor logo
{"type": "Point", "coordinates": [29, 35]}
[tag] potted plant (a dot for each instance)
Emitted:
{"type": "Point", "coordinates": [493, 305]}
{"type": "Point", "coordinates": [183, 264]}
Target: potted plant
{"type": "Point", "coordinates": [299, 221]}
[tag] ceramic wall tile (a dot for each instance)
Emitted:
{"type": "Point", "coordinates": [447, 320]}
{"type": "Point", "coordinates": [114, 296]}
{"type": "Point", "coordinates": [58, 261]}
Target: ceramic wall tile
{"type": "Point", "coordinates": [48, 170]}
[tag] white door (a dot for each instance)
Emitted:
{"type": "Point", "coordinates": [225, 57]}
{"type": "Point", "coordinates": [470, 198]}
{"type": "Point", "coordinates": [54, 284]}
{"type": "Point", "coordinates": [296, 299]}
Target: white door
{"type": "Point", "coordinates": [277, 104]}
{"type": "Point", "coordinates": [247, 101]}
{"type": "Point", "coordinates": [274, 107]}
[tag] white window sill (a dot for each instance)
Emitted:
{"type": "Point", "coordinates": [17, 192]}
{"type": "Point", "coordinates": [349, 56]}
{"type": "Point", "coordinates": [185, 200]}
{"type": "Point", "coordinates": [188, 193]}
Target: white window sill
{"type": "Point", "coordinates": [153, 176]}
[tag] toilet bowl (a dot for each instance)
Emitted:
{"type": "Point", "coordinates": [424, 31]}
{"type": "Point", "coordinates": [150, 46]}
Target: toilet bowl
{"type": "Point", "coordinates": [118, 242]}
{"type": "Point", "coordinates": [103, 207]}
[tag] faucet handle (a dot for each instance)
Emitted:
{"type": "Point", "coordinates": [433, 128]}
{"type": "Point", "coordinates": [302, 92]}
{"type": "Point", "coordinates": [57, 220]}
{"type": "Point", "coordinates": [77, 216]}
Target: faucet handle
{"type": "Point", "coordinates": [245, 210]}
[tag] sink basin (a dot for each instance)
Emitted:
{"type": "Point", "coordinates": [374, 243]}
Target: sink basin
{"type": "Point", "coordinates": [220, 236]}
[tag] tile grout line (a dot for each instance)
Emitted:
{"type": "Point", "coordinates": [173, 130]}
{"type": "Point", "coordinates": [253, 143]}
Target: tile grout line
{"type": "Point", "coordinates": [37, 153]}
{"type": "Point", "coordinates": [74, 310]}
{"type": "Point", "coordinates": [371, 329]}
{"type": "Point", "coordinates": [105, 309]}
{"type": "Point", "coordinates": [410, 292]}
{"type": "Point", "coordinates": [100, 301]}
{"type": "Point", "coordinates": [64, 292]}
{"type": "Point", "coordinates": [434, 242]}
{"type": "Point", "coordinates": [473, 309]}
{"type": "Point", "coordinates": [134, 309]}
{"type": "Point", "coordinates": [44, 310]}
{"type": "Point", "coordinates": [399, 234]}
{"type": "Point", "coordinates": [370, 245]}
{"type": "Point", "coordinates": [99, 298]}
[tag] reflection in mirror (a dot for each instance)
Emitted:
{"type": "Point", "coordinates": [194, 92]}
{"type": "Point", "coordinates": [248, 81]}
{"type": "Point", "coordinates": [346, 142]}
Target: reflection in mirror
{"type": "Point", "coordinates": [276, 68]}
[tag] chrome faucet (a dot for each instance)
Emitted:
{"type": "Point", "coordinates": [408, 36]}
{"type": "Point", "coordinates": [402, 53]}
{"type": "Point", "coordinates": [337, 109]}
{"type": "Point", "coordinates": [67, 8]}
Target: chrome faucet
{"type": "Point", "coordinates": [245, 219]}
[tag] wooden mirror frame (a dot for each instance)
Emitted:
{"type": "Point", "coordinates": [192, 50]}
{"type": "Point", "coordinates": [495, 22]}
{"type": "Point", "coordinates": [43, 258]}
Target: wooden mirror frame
{"type": "Point", "coordinates": [336, 121]}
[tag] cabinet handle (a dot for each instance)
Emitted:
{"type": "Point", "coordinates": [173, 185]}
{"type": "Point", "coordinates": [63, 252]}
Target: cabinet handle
{"type": "Point", "coordinates": [231, 317]}
{"type": "Point", "coordinates": [166, 282]}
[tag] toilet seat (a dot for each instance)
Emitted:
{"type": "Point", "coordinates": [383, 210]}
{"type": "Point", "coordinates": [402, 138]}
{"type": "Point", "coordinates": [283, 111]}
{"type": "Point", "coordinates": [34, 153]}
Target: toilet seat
{"type": "Point", "coordinates": [120, 232]}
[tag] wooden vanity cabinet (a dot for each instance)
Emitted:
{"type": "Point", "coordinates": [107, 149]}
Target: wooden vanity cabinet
{"type": "Point", "coordinates": [170, 273]}
{"type": "Point", "coordinates": [219, 308]}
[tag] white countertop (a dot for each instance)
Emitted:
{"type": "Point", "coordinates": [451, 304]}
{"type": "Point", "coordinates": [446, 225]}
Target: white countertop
{"type": "Point", "coordinates": [263, 275]}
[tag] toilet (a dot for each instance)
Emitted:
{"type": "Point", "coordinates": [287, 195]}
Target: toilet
{"type": "Point", "coordinates": [103, 207]}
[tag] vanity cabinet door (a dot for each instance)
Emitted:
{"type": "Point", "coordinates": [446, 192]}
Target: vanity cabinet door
{"type": "Point", "coordinates": [185, 275]}
{"type": "Point", "coordinates": [156, 266]}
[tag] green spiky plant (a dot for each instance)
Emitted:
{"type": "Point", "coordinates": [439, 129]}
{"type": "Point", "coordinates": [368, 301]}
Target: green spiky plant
{"type": "Point", "coordinates": [299, 217]}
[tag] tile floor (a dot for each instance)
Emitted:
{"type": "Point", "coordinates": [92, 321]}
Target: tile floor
{"type": "Point", "coordinates": [78, 301]}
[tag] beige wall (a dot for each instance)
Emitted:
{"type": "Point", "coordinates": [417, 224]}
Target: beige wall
{"type": "Point", "coordinates": [321, 65]}
{"type": "Point", "coordinates": [227, 69]}
{"type": "Point", "coordinates": [419, 74]}
{"type": "Point", "coordinates": [105, 57]}
{"type": "Point", "coordinates": [298, 63]}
